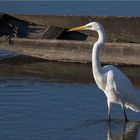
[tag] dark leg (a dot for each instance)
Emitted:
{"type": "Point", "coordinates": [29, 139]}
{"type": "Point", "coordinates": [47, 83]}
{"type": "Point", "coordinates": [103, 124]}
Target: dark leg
{"type": "Point", "coordinates": [109, 110]}
{"type": "Point", "coordinates": [126, 120]}
{"type": "Point", "coordinates": [109, 116]}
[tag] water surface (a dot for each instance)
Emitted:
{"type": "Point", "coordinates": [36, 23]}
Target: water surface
{"type": "Point", "coordinates": [94, 8]}
{"type": "Point", "coordinates": [48, 100]}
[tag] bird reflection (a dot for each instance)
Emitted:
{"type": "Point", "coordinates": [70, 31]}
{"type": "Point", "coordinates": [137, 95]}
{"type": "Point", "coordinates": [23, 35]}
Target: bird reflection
{"type": "Point", "coordinates": [126, 131]}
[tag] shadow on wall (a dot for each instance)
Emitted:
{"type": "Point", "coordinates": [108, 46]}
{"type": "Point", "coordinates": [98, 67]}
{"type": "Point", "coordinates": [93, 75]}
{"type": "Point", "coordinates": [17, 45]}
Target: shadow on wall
{"type": "Point", "coordinates": [15, 27]}
{"type": "Point", "coordinates": [11, 27]}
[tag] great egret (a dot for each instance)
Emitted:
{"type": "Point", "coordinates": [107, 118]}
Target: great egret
{"type": "Point", "coordinates": [116, 86]}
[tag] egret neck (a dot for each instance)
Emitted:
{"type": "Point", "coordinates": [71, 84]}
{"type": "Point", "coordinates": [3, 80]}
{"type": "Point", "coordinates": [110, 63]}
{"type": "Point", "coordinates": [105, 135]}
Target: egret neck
{"type": "Point", "coordinates": [96, 65]}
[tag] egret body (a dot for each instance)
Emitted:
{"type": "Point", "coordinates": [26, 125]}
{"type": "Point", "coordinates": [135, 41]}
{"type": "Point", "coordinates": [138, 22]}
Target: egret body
{"type": "Point", "coordinates": [115, 84]}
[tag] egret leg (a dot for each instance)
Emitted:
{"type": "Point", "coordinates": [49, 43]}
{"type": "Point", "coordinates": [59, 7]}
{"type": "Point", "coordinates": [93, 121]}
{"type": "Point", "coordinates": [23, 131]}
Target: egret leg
{"type": "Point", "coordinates": [109, 115]}
{"type": "Point", "coordinates": [109, 110]}
{"type": "Point", "coordinates": [126, 120]}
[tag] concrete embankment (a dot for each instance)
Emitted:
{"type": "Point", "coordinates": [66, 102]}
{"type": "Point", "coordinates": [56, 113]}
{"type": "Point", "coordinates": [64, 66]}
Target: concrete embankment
{"type": "Point", "coordinates": [38, 37]}
{"type": "Point", "coordinates": [75, 51]}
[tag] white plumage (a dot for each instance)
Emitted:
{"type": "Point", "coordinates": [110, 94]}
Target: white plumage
{"type": "Point", "coordinates": [119, 88]}
{"type": "Point", "coordinates": [116, 86]}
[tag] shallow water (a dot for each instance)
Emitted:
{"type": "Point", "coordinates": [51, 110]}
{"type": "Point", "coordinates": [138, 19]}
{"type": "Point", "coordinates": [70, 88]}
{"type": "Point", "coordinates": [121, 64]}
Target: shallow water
{"type": "Point", "coordinates": [48, 100]}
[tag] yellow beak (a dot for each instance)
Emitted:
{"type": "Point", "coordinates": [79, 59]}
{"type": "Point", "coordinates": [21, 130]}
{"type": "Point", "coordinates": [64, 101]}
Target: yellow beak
{"type": "Point", "coordinates": [78, 28]}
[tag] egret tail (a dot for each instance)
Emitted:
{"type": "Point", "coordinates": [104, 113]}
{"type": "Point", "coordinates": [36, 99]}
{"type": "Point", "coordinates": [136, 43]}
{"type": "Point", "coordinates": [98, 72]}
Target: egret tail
{"type": "Point", "coordinates": [133, 107]}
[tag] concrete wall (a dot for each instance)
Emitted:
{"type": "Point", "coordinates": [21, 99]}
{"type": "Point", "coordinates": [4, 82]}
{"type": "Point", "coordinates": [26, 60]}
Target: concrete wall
{"type": "Point", "coordinates": [75, 51]}
{"type": "Point", "coordinates": [118, 29]}
{"type": "Point", "coordinates": [122, 47]}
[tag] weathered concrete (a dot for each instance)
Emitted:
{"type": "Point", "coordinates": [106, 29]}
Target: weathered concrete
{"type": "Point", "coordinates": [118, 29]}
{"type": "Point", "coordinates": [122, 47]}
{"type": "Point", "coordinates": [74, 51]}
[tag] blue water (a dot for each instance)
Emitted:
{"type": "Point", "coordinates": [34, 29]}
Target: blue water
{"type": "Point", "coordinates": [107, 8]}
{"type": "Point", "coordinates": [59, 101]}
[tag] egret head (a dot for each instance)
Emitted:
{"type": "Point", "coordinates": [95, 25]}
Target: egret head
{"type": "Point", "coordinates": [93, 26]}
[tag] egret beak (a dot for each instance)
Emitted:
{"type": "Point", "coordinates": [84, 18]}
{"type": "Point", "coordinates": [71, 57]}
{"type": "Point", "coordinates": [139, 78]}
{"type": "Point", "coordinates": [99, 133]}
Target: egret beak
{"type": "Point", "coordinates": [78, 28]}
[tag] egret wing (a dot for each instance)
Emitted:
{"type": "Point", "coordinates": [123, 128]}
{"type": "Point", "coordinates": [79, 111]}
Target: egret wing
{"type": "Point", "coordinates": [125, 90]}
{"type": "Point", "coordinates": [122, 87]}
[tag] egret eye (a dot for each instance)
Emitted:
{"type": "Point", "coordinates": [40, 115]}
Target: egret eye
{"type": "Point", "coordinates": [89, 26]}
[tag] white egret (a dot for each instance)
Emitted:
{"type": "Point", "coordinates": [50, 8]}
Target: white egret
{"type": "Point", "coordinates": [115, 84]}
